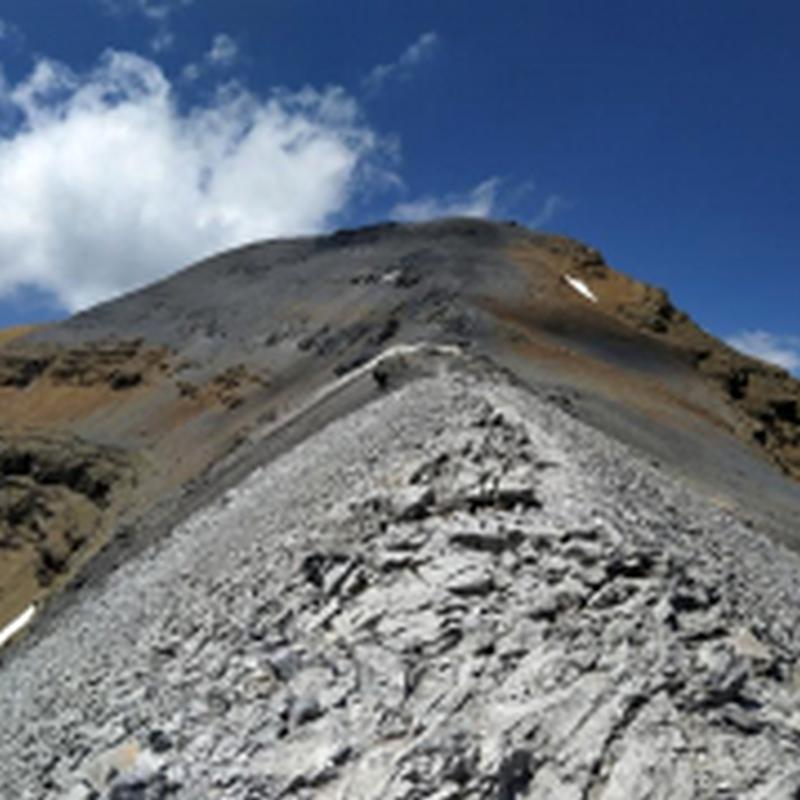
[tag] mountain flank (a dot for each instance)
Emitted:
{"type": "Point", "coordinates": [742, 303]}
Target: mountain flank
{"type": "Point", "coordinates": [451, 510]}
{"type": "Point", "coordinates": [152, 390]}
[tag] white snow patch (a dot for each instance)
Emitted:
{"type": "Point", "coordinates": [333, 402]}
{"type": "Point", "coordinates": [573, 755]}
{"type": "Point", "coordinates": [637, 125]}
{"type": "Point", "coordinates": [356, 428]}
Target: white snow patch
{"type": "Point", "coordinates": [13, 628]}
{"type": "Point", "coordinates": [581, 288]}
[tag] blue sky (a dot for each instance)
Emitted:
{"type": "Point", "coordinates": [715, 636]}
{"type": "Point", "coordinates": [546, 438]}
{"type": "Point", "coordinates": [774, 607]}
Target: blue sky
{"type": "Point", "coordinates": [138, 135]}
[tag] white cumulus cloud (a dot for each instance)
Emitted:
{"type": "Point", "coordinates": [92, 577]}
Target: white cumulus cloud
{"type": "Point", "coordinates": [106, 184]}
{"type": "Point", "coordinates": [784, 351]}
{"type": "Point", "coordinates": [415, 54]}
{"type": "Point", "coordinates": [478, 202]}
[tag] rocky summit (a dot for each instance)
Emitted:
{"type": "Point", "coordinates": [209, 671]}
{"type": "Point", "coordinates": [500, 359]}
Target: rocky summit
{"type": "Point", "coordinates": [451, 510]}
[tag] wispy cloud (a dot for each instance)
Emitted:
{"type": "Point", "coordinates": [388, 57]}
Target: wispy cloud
{"type": "Point", "coordinates": [158, 12]}
{"type": "Point", "coordinates": [83, 219]}
{"type": "Point", "coordinates": [493, 197]}
{"type": "Point", "coordinates": [10, 34]}
{"type": "Point", "coordinates": [223, 53]}
{"type": "Point", "coordinates": [415, 54]}
{"type": "Point", "coordinates": [553, 204]}
{"type": "Point", "coordinates": [784, 351]}
{"type": "Point", "coordinates": [477, 202]}
{"type": "Point", "coordinates": [162, 40]}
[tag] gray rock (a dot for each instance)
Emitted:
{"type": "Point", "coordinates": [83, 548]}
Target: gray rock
{"type": "Point", "coordinates": [407, 606]}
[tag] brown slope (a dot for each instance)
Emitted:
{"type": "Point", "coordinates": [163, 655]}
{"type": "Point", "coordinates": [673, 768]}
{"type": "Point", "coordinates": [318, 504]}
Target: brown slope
{"type": "Point", "coordinates": [635, 331]}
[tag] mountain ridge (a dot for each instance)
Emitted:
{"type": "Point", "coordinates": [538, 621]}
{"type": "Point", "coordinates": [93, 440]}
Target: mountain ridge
{"type": "Point", "coordinates": [178, 374]}
{"type": "Point", "coordinates": [451, 510]}
{"type": "Point", "coordinates": [457, 591]}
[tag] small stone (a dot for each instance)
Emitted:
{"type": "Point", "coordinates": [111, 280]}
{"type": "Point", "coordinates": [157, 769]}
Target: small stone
{"type": "Point", "coordinates": [159, 741]}
{"type": "Point", "coordinates": [260, 684]}
{"type": "Point", "coordinates": [481, 542]}
{"type": "Point", "coordinates": [725, 675]}
{"type": "Point", "coordinates": [395, 561]}
{"type": "Point", "coordinates": [306, 709]}
{"type": "Point", "coordinates": [748, 646]}
{"type": "Point", "coordinates": [285, 664]}
{"type": "Point", "coordinates": [636, 564]}
{"type": "Point", "coordinates": [514, 775]}
{"type": "Point", "coordinates": [742, 721]}
{"type": "Point", "coordinates": [413, 503]}
{"type": "Point", "coordinates": [81, 792]}
{"type": "Point", "coordinates": [472, 582]}
{"type": "Point", "coordinates": [119, 760]}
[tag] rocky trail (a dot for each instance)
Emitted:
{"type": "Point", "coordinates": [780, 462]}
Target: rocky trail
{"type": "Point", "coordinates": [459, 591]}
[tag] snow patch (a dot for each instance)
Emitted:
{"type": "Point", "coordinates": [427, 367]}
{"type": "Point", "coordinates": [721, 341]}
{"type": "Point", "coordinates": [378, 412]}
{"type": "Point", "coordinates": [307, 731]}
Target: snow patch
{"type": "Point", "coordinates": [13, 628]}
{"type": "Point", "coordinates": [581, 288]}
